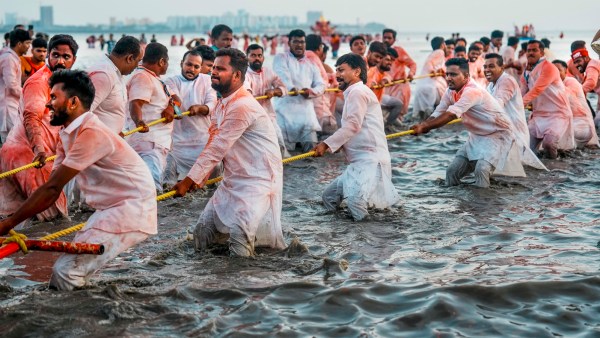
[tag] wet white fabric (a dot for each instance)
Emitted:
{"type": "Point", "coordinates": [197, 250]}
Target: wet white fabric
{"type": "Point", "coordinates": [250, 194]}
{"type": "Point", "coordinates": [296, 115]}
{"type": "Point", "coordinates": [509, 56]}
{"type": "Point", "coordinates": [258, 83]}
{"type": "Point", "coordinates": [429, 91]}
{"type": "Point", "coordinates": [584, 129]}
{"type": "Point", "coordinates": [155, 157]}
{"type": "Point", "coordinates": [543, 88]}
{"type": "Point", "coordinates": [508, 94]}
{"type": "Point", "coordinates": [72, 271]}
{"type": "Point", "coordinates": [368, 177]}
{"type": "Point", "coordinates": [490, 135]}
{"type": "Point", "coordinates": [190, 134]}
{"type": "Point", "coordinates": [110, 100]}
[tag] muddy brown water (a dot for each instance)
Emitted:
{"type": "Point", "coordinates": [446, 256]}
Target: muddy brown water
{"type": "Point", "coordinates": [519, 259]}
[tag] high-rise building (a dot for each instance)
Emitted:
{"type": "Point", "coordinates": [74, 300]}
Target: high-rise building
{"type": "Point", "coordinates": [313, 16]}
{"type": "Point", "coordinates": [46, 16]}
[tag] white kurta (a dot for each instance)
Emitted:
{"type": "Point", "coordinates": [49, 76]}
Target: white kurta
{"type": "Point", "coordinates": [190, 134]}
{"type": "Point", "coordinates": [429, 91]}
{"type": "Point", "coordinates": [508, 94]}
{"type": "Point", "coordinates": [509, 55]}
{"type": "Point", "coordinates": [110, 100]}
{"type": "Point", "coordinates": [10, 79]}
{"type": "Point", "coordinates": [296, 115]}
{"type": "Point", "coordinates": [250, 195]}
{"type": "Point", "coordinates": [584, 129]}
{"type": "Point", "coordinates": [551, 114]}
{"type": "Point", "coordinates": [258, 83]}
{"type": "Point", "coordinates": [490, 135]}
{"type": "Point", "coordinates": [362, 136]}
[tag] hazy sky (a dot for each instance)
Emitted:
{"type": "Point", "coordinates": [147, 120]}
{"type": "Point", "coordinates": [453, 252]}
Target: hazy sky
{"type": "Point", "coordinates": [416, 15]}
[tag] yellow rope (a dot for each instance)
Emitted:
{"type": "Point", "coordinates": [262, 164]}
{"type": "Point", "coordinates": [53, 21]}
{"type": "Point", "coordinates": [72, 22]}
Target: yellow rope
{"type": "Point", "coordinates": [18, 238]}
{"type": "Point", "coordinates": [153, 123]}
{"type": "Point", "coordinates": [298, 157]}
{"type": "Point", "coordinates": [410, 132]}
{"type": "Point", "coordinates": [28, 166]}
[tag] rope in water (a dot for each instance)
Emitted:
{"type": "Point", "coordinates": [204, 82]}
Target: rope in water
{"type": "Point", "coordinates": [161, 120]}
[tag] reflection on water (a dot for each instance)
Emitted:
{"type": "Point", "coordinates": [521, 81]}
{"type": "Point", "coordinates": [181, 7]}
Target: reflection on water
{"type": "Point", "coordinates": [520, 259]}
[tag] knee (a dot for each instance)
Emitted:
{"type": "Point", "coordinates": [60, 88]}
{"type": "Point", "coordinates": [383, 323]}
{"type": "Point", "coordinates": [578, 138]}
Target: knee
{"type": "Point", "coordinates": [358, 208]}
{"type": "Point", "coordinates": [64, 277]}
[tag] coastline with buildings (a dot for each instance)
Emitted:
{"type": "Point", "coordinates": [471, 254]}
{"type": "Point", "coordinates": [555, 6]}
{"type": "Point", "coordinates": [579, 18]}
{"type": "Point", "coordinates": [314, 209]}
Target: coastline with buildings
{"type": "Point", "coordinates": [241, 22]}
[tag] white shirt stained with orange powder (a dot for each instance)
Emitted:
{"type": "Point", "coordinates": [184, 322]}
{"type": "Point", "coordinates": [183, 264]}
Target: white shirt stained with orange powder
{"type": "Point", "coordinates": [250, 196]}
{"type": "Point", "coordinates": [110, 100]}
{"type": "Point", "coordinates": [490, 130]}
{"type": "Point", "coordinates": [591, 81]}
{"type": "Point", "coordinates": [429, 90]}
{"type": "Point", "coordinates": [115, 180]}
{"type": "Point", "coordinates": [543, 88]}
{"type": "Point", "coordinates": [375, 79]}
{"type": "Point", "coordinates": [401, 91]}
{"type": "Point", "coordinates": [583, 121]}
{"type": "Point", "coordinates": [29, 137]}
{"type": "Point", "coordinates": [10, 81]}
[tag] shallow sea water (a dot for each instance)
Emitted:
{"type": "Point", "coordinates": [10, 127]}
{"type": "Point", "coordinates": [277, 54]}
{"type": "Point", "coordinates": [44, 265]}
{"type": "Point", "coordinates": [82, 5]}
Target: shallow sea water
{"type": "Point", "coordinates": [518, 259]}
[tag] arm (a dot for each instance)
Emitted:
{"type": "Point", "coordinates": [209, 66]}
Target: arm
{"type": "Point", "coordinates": [35, 97]}
{"type": "Point", "coordinates": [317, 85]}
{"type": "Point", "coordinates": [41, 199]}
{"type": "Point", "coordinates": [135, 111]}
{"type": "Point", "coordinates": [547, 75]}
{"type": "Point", "coordinates": [352, 121]}
{"type": "Point", "coordinates": [221, 140]}
{"type": "Point", "coordinates": [410, 63]}
{"type": "Point", "coordinates": [505, 92]}
{"type": "Point", "coordinates": [433, 123]}
{"type": "Point", "coordinates": [280, 68]}
{"type": "Point", "coordinates": [12, 78]}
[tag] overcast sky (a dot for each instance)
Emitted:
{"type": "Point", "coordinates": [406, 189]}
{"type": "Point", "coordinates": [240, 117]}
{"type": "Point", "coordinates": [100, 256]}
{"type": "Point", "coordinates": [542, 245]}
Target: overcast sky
{"type": "Point", "coordinates": [413, 16]}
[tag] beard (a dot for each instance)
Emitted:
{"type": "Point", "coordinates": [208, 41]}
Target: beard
{"type": "Point", "coordinates": [221, 87]}
{"type": "Point", "coordinates": [342, 85]}
{"type": "Point", "coordinates": [56, 67]}
{"type": "Point", "coordinates": [256, 65]}
{"type": "Point", "coordinates": [385, 68]}
{"type": "Point", "coordinates": [187, 76]}
{"type": "Point", "coordinates": [59, 116]}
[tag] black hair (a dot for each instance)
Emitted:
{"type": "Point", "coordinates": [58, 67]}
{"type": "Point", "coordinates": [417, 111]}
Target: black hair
{"type": "Point", "coordinates": [191, 52]}
{"type": "Point", "coordinates": [485, 40]}
{"type": "Point", "coordinates": [218, 30]}
{"type": "Point", "coordinates": [539, 43]}
{"type": "Point", "coordinates": [392, 52]}
{"type": "Point", "coordinates": [498, 58]}
{"type": "Point", "coordinates": [460, 62]}
{"type": "Point", "coordinates": [560, 62]}
{"type": "Point", "coordinates": [75, 83]}
{"type": "Point", "coordinates": [577, 44]}
{"type": "Point", "coordinates": [450, 42]}
{"type": "Point", "coordinates": [63, 39]}
{"type": "Point", "coordinates": [459, 49]}
{"type": "Point", "coordinates": [325, 48]}
{"type": "Point", "coordinates": [127, 45]}
{"type": "Point", "coordinates": [39, 43]}
{"type": "Point", "coordinates": [378, 47]}
{"type": "Point", "coordinates": [462, 39]}
{"type": "Point", "coordinates": [389, 30]}
{"type": "Point", "coordinates": [313, 42]}
{"type": "Point", "coordinates": [296, 33]}
{"type": "Point", "coordinates": [208, 53]}
{"type": "Point", "coordinates": [237, 60]}
{"type": "Point", "coordinates": [437, 42]}
{"type": "Point", "coordinates": [524, 45]}
{"type": "Point", "coordinates": [254, 46]}
{"type": "Point", "coordinates": [497, 34]}
{"type": "Point", "coordinates": [512, 40]}
{"type": "Point", "coordinates": [357, 37]}
{"type": "Point", "coordinates": [354, 61]}
{"type": "Point", "coordinates": [474, 46]}
{"type": "Point", "coordinates": [154, 52]}
{"type": "Point", "coordinates": [18, 35]}
{"type": "Point", "coordinates": [6, 35]}
{"type": "Point", "coordinates": [546, 42]}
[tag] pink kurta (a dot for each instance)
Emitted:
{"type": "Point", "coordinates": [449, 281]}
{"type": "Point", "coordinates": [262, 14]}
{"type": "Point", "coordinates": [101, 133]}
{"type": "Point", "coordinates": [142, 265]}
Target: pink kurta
{"type": "Point", "coordinates": [476, 72]}
{"type": "Point", "coordinates": [10, 83]}
{"type": "Point", "coordinates": [250, 195]}
{"type": "Point", "coordinates": [590, 82]}
{"type": "Point", "coordinates": [509, 56]}
{"type": "Point", "coordinates": [401, 91]}
{"type": "Point", "coordinates": [321, 102]}
{"type": "Point", "coordinates": [375, 77]}
{"type": "Point", "coordinates": [29, 137]}
{"type": "Point", "coordinates": [551, 114]}
{"type": "Point", "coordinates": [114, 179]}
{"type": "Point", "coordinates": [110, 100]}
{"type": "Point", "coordinates": [490, 135]}
{"type": "Point", "coordinates": [583, 122]}
{"type": "Point", "coordinates": [429, 91]}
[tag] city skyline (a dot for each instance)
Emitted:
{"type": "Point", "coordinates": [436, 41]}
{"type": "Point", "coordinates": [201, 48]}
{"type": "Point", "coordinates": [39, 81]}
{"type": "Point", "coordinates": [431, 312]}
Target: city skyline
{"type": "Point", "coordinates": [424, 16]}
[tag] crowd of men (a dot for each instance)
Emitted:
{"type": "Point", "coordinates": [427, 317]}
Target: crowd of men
{"type": "Point", "coordinates": [81, 116]}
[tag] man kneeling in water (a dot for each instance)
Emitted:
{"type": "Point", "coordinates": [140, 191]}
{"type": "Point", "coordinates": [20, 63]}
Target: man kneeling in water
{"type": "Point", "coordinates": [114, 179]}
